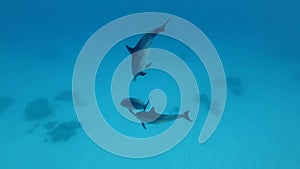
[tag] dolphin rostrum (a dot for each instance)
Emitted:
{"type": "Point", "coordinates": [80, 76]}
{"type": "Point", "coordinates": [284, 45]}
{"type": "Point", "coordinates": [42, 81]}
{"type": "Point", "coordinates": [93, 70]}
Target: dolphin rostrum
{"type": "Point", "coordinates": [141, 51]}
{"type": "Point", "coordinates": [134, 104]}
{"type": "Point", "coordinates": [152, 117]}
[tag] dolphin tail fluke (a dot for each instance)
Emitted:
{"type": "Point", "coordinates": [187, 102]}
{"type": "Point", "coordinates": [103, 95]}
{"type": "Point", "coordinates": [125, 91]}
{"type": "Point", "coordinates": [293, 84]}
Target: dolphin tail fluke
{"type": "Point", "coordinates": [164, 25]}
{"type": "Point", "coordinates": [161, 28]}
{"type": "Point", "coordinates": [186, 115]}
{"type": "Point", "coordinates": [131, 50]}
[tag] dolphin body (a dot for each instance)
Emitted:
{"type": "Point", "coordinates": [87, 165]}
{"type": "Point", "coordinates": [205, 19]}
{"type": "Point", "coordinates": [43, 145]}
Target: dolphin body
{"type": "Point", "coordinates": [151, 117]}
{"type": "Point", "coordinates": [134, 104]}
{"type": "Point", "coordinates": [141, 51]}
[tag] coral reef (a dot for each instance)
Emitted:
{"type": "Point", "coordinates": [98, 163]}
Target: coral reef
{"type": "Point", "coordinates": [64, 131]}
{"type": "Point", "coordinates": [65, 95]}
{"type": "Point", "coordinates": [5, 102]}
{"type": "Point", "coordinates": [38, 109]}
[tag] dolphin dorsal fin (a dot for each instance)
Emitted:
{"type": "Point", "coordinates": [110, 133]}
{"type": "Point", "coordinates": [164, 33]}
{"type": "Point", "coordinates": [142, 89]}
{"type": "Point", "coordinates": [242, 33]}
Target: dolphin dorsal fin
{"type": "Point", "coordinates": [152, 110]}
{"type": "Point", "coordinates": [130, 49]}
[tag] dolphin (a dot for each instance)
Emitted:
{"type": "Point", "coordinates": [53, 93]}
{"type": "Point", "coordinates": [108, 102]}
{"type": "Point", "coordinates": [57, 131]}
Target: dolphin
{"type": "Point", "coordinates": [134, 104]}
{"type": "Point", "coordinates": [141, 51]}
{"type": "Point", "coordinates": [151, 117]}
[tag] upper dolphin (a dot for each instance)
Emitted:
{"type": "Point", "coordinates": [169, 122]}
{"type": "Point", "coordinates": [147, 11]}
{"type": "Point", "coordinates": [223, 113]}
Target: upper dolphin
{"type": "Point", "coordinates": [152, 117]}
{"type": "Point", "coordinates": [134, 104]}
{"type": "Point", "coordinates": [141, 51]}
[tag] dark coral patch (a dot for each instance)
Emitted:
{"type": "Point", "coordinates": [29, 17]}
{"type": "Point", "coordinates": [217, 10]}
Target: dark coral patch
{"type": "Point", "coordinates": [64, 131]}
{"type": "Point", "coordinates": [38, 109]}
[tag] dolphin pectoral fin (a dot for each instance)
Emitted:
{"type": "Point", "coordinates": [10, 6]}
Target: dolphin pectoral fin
{"type": "Point", "coordinates": [146, 105]}
{"type": "Point", "coordinates": [142, 73]}
{"type": "Point", "coordinates": [143, 124]}
{"type": "Point", "coordinates": [139, 74]}
{"type": "Point", "coordinates": [135, 76]}
{"type": "Point", "coordinates": [131, 50]}
{"type": "Point", "coordinates": [148, 65]}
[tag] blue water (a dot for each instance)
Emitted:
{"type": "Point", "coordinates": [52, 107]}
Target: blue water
{"type": "Point", "coordinates": [257, 42]}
